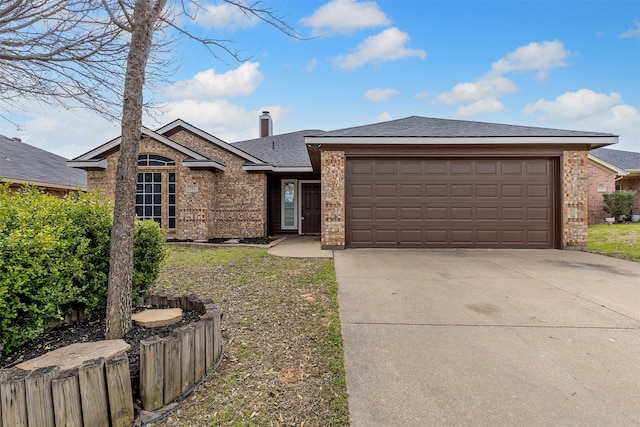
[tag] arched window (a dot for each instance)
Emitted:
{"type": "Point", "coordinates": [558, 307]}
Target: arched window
{"type": "Point", "coordinates": [155, 160]}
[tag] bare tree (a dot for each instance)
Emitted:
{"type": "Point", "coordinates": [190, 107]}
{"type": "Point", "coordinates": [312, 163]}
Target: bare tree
{"type": "Point", "coordinates": [60, 52]}
{"type": "Point", "coordinates": [73, 51]}
{"type": "Point", "coordinates": [141, 19]}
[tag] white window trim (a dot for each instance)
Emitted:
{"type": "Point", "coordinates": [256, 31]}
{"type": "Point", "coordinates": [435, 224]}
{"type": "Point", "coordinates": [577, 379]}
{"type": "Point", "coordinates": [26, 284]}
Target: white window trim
{"type": "Point", "coordinates": [300, 182]}
{"type": "Point", "coordinates": [295, 205]}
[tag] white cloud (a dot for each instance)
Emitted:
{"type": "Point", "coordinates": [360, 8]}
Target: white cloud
{"type": "Point", "coordinates": [633, 33]}
{"type": "Point", "coordinates": [483, 94]}
{"type": "Point", "coordinates": [222, 16]}
{"type": "Point", "coordinates": [50, 131]}
{"type": "Point", "coordinates": [422, 95]}
{"type": "Point", "coordinates": [389, 45]}
{"type": "Point", "coordinates": [383, 117]}
{"type": "Point", "coordinates": [571, 105]}
{"type": "Point", "coordinates": [221, 118]}
{"type": "Point", "coordinates": [541, 57]}
{"type": "Point", "coordinates": [589, 110]}
{"type": "Point", "coordinates": [480, 107]}
{"type": "Point", "coordinates": [377, 95]}
{"type": "Point", "coordinates": [345, 17]}
{"type": "Point", "coordinates": [311, 65]}
{"type": "Point", "coordinates": [207, 84]}
{"type": "Point", "coordinates": [486, 87]}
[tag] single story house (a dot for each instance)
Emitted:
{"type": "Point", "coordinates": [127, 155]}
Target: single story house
{"type": "Point", "coordinates": [21, 164]}
{"type": "Point", "coordinates": [611, 170]}
{"type": "Point", "coordinates": [412, 182]}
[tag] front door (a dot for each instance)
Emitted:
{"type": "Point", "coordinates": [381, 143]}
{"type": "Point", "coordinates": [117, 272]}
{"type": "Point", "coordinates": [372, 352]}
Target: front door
{"type": "Point", "coordinates": [310, 214]}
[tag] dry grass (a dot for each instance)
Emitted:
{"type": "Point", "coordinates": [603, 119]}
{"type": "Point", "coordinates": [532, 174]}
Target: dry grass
{"type": "Point", "coordinates": [283, 348]}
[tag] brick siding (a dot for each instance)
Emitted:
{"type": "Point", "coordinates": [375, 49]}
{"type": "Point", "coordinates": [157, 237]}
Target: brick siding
{"type": "Point", "coordinates": [601, 181]}
{"type": "Point", "coordinates": [632, 184]}
{"type": "Point", "coordinates": [224, 204]}
{"type": "Point", "coordinates": [333, 199]}
{"type": "Point", "coordinates": [574, 199]}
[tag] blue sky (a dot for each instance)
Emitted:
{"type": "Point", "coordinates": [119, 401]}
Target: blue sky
{"type": "Point", "coordinates": [560, 64]}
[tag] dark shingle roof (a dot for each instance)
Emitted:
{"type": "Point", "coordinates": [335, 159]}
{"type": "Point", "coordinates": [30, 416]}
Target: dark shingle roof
{"type": "Point", "coordinates": [24, 162]}
{"type": "Point", "coordinates": [416, 126]}
{"type": "Point", "coordinates": [285, 150]}
{"type": "Point", "coordinates": [628, 160]}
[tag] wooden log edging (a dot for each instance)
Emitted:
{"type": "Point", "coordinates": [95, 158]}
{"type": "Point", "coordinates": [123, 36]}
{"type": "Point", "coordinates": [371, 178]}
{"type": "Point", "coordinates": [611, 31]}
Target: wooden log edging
{"type": "Point", "coordinates": [99, 392]}
{"type": "Point", "coordinates": [170, 367]}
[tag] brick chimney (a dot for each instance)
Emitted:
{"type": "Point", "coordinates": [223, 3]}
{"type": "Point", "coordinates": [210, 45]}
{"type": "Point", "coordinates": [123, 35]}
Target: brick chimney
{"type": "Point", "coordinates": [266, 125]}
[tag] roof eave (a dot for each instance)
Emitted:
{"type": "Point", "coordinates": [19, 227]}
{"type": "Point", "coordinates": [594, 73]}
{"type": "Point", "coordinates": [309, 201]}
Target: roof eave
{"type": "Point", "coordinates": [87, 164]}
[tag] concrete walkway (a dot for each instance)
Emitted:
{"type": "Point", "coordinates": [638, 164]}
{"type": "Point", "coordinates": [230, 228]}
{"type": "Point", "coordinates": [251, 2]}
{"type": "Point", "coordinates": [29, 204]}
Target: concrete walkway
{"type": "Point", "coordinates": [300, 247]}
{"type": "Point", "coordinates": [490, 338]}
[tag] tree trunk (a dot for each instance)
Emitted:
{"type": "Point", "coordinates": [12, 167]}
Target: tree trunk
{"type": "Point", "coordinates": [121, 262]}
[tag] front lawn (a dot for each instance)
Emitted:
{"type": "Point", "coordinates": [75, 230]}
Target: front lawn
{"type": "Point", "coordinates": [616, 240]}
{"type": "Point", "coordinates": [283, 350]}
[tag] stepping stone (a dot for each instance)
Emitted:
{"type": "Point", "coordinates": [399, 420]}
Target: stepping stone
{"type": "Point", "coordinates": [157, 318]}
{"type": "Point", "coordinates": [72, 356]}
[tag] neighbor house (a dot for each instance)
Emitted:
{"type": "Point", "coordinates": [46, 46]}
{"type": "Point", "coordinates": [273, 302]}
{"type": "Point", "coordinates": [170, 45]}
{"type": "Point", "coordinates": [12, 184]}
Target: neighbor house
{"type": "Point", "coordinates": [611, 170]}
{"type": "Point", "coordinates": [22, 164]}
{"type": "Point", "coordinates": [412, 182]}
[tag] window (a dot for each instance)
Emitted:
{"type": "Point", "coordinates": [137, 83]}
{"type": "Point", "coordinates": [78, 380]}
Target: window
{"type": "Point", "coordinates": [149, 196]}
{"type": "Point", "coordinates": [171, 203]}
{"type": "Point", "coordinates": [289, 212]}
{"type": "Point", "coordinates": [154, 160]}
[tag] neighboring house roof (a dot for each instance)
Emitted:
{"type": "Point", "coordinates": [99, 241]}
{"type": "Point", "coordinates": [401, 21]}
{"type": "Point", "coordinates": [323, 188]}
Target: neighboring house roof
{"type": "Point", "coordinates": [626, 160]}
{"type": "Point", "coordinates": [425, 130]}
{"type": "Point", "coordinates": [96, 157]}
{"type": "Point", "coordinates": [285, 152]}
{"type": "Point", "coordinates": [24, 163]}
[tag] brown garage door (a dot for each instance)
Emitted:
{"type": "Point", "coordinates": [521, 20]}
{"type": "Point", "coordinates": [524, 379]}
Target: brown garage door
{"type": "Point", "coordinates": [435, 202]}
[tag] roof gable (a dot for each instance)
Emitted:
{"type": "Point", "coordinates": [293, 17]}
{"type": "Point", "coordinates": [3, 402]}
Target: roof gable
{"type": "Point", "coordinates": [25, 163]}
{"type": "Point", "coordinates": [179, 123]}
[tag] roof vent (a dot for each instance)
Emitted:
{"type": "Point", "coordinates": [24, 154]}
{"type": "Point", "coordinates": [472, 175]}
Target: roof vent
{"type": "Point", "coordinates": [266, 124]}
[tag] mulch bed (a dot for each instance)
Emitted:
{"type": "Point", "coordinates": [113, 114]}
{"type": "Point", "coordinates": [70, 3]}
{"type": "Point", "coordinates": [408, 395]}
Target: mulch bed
{"type": "Point", "coordinates": [93, 330]}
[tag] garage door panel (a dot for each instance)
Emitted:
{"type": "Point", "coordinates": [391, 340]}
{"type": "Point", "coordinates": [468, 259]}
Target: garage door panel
{"type": "Point", "coordinates": [361, 190]}
{"type": "Point", "coordinates": [436, 190]}
{"type": "Point", "coordinates": [431, 202]}
{"type": "Point", "coordinates": [386, 191]}
{"type": "Point", "coordinates": [461, 190]}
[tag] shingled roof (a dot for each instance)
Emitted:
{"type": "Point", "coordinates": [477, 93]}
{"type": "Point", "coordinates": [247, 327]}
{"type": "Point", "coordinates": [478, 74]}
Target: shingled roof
{"type": "Point", "coordinates": [416, 126]}
{"type": "Point", "coordinates": [21, 162]}
{"type": "Point", "coordinates": [281, 151]}
{"type": "Point", "coordinates": [628, 160]}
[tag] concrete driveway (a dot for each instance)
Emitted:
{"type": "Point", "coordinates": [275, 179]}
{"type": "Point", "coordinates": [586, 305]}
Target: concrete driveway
{"type": "Point", "coordinates": [480, 337]}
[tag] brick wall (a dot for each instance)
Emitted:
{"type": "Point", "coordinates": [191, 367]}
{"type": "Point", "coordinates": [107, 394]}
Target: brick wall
{"type": "Point", "coordinates": [575, 189]}
{"type": "Point", "coordinates": [632, 184]}
{"type": "Point", "coordinates": [333, 199]}
{"type": "Point", "coordinates": [601, 181]}
{"type": "Point", "coordinates": [219, 204]}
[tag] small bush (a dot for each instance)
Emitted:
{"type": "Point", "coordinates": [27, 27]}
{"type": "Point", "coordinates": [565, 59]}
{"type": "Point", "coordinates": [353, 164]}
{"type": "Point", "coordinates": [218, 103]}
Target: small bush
{"type": "Point", "coordinates": [54, 258]}
{"type": "Point", "coordinates": [619, 202]}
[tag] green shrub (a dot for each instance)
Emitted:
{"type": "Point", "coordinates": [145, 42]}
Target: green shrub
{"type": "Point", "coordinates": [54, 258]}
{"type": "Point", "coordinates": [149, 253]}
{"type": "Point", "coordinates": [619, 202]}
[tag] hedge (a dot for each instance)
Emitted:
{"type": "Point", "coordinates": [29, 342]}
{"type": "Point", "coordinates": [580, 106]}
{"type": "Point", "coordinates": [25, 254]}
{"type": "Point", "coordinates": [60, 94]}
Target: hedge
{"type": "Point", "coordinates": [54, 258]}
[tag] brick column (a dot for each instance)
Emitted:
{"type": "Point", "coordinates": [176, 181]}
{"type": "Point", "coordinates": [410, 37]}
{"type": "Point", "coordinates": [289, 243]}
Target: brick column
{"type": "Point", "coordinates": [333, 199]}
{"type": "Point", "coordinates": [575, 190]}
